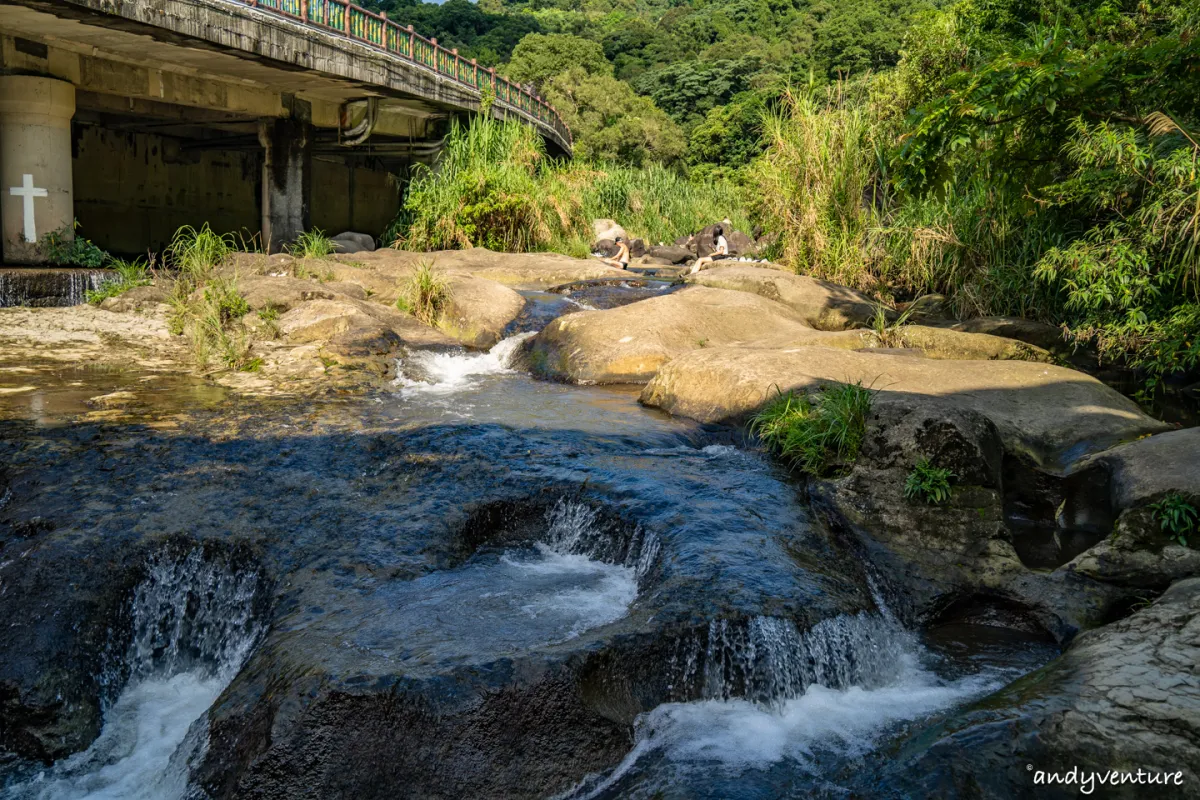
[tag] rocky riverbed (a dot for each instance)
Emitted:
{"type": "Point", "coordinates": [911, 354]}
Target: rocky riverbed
{"type": "Point", "coordinates": [396, 561]}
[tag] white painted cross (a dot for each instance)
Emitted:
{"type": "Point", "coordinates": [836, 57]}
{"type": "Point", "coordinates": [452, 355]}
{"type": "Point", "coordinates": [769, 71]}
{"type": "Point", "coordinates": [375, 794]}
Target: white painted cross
{"type": "Point", "coordinates": [27, 191]}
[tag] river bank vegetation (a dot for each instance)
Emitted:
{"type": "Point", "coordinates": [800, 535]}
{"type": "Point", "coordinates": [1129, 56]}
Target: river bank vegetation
{"type": "Point", "coordinates": [1032, 158]}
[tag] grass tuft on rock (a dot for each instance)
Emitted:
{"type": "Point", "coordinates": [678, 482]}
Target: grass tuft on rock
{"type": "Point", "coordinates": [424, 295]}
{"type": "Point", "coordinates": [820, 437]}
{"type": "Point", "coordinates": [129, 275]}
{"type": "Point", "coordinates": [928, 484]}
{"type": "Point", "coordinates": [312, 244]}
{"type": "Point", "coordinates": [197, 252]}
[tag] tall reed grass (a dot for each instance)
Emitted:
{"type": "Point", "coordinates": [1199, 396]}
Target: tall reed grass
{"type": "Point", "coordinates": [495, 187]}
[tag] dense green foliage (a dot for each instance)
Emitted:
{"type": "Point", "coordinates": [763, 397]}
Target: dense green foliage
{"type": "Point", "coordinates": [495, 188]}
{"type": "Point", "coordinates": [1176, 516]}
{"type": "Point", "coordinates": [1025, 157]}
{"type": "Point", "coordinates": [66, 248]}
{"type": "Point", "coordinates": [312, 244]}
{"type": "Point", "coordinates": [819, 437]}
{"type": "Point", "coordinates": [928, 483]}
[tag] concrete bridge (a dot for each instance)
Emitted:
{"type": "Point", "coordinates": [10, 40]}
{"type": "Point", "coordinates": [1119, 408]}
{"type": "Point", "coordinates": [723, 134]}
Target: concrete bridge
{"type": "Point", "coordinates": [262, 117]}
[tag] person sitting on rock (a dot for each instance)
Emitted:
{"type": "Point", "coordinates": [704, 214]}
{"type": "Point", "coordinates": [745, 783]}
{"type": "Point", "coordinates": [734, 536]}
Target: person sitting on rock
{"type": "Point", "coordinates": [621, 259]}
{"type": "Point", "coordinates": [720, 250]}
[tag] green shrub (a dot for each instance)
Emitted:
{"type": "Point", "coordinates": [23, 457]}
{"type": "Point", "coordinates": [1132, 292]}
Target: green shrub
{"type": "Point", "coordinates": [1176, 516]}
{"type": "Point", "coordinates": [211, 318]}
{"type": "Point", "coordinates": [196, 253]}
{"type": "Point", "coordinates": [424, 294]}
{"type": "Point", "coordinates": [819, 437]}
{"type": "Point", "coordinates": [66, 250]}
{"type": "Point", "coordinates": [312, 244]}
{"type": "Point", "coordinates": [129, 274]}
{"type": "Point", "coordinates": [928, 483]}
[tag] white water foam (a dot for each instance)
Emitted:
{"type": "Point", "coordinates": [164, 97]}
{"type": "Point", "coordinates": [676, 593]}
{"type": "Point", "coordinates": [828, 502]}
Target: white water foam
{"type": "Point", "coordinates": [193, 629]}
{"type": "Point", "coordinates": [433, 373]}
{"type": "Point", "coordinates": [837, 689]}
{"type": "Point", "coordinates": [600, 593]}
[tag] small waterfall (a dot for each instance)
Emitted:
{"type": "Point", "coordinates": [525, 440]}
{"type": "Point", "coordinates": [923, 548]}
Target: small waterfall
{"type": "Point", "coordinates": [194, 624]}
{"type": "Point", "coordinates": [768, 660]}
{"type": "Point", "coordinates": [428, 372]}
{"type": "Point", "coordinates": [576, 528]}
{"type": "Point", "coordinates": [48, 287]}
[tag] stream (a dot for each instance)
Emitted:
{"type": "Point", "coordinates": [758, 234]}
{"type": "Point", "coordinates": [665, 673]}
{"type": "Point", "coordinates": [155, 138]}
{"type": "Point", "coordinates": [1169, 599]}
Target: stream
{"type": "Point", "coordinates": [469, 526]}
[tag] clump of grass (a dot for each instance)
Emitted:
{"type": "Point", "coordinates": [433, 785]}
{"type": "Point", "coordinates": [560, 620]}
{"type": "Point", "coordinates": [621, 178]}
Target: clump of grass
{"type": "Point", "coordinates": [211, 319]}
{"type": "Point", "coordinates": [129, 274]}
{"type": "Point", "coordinates": [928, 483]}
{"type": "Point", "coordinates": [1176, 516]}
{"type": "Point", "coordinates": [424, 295]}
{"type": "Point", "coordinates": [312, 244]}
{"type": "Point", "coordinates": [821, 436]}
{"type": "Point", "coordinates": [888, 330]}
{"type": "Point", "coordinates": [197, 252]}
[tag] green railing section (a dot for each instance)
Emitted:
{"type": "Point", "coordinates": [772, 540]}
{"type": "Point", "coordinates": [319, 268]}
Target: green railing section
{"type": "Point", "coordinates": [379, 31]}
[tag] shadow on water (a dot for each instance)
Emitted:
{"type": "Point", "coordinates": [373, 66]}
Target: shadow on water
{"type": "Point", "coordinates": [355, 510]}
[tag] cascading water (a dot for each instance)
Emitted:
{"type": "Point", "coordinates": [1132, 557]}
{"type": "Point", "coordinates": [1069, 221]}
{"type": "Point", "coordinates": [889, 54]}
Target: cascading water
{"type": "Point", "coordinates": [48, 287]}
{"type": "Point", "coordinates": [193, 627]}
{"type": "Point", "coordinates": [441, 373]}
{"type": "Point", "coordinates": [773, 695]}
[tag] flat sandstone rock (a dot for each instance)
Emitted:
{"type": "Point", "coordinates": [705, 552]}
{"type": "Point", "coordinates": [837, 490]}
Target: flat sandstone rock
{"type": "Point", "coordinates": [1050, 414]}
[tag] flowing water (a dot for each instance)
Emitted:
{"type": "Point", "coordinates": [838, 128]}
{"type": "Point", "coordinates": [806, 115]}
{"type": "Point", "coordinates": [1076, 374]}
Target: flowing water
{"type": "Point", "coordinates": [192, 629]}
{"type": "Point", "coordinates": [625, 523]}
{"type": "Point", "coordinates": [48, 286]}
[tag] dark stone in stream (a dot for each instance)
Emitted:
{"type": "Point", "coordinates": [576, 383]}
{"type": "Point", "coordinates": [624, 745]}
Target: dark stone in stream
{"type": "Point", "coordinates": [351, 518]}
{"type": "Point", "coordinates": [944, 559]}
{"type": "Point", "coordinates": [1124, 697]}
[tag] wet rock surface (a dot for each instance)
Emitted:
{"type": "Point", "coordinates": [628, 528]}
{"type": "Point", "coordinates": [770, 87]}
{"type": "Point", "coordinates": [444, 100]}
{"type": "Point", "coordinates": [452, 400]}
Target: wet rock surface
{"type": "Point", "coordinates": [341, 517]}
{"type": "Point", "coordinates": [445, 579]}
{"type": "Point", "coordinates": [1124, 697]}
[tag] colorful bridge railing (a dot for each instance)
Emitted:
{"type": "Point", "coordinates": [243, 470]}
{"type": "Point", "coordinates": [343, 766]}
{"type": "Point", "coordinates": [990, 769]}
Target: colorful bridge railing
{"type": "Point", "coordinates": [341, 16]}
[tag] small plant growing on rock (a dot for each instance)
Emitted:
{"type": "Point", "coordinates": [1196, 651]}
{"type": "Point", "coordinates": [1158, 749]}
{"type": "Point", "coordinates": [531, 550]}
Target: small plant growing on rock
{"type": "Point", "coordinates": [1176, 516]}
{"type": "Point", "coordinates": [819, 437]}
{"type": "Point", "coordinates": [129, 274]}
{"type": "Point", "coordinates": [424, 294]}
{"type": "Point", "coordinates": [888, 331]}
{"type": "Point", "coordinates": [928, 483]}
{"type": "Point", "coordinates": [196, 253]}
{"type": "Point", "coordinates": [312, 244]}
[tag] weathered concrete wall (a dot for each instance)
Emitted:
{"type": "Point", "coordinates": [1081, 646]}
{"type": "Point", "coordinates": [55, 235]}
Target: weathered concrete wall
{"type": "Point", "coordinates": [133, 190]}
{"type": "Point", "coordinates": [352, 199]}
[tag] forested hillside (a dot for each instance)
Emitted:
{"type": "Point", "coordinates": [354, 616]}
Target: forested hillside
{"type": "Point", "coordinates": [710, 66]}
{"type": "Point", "coordinates": [1022, 157]}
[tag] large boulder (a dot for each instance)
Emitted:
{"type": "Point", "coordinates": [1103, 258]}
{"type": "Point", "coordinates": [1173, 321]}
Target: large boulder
{"type": "Point", "coordinates": [607, 229]}
{"type": "Point", "coordinates": [1050, 415]}
{"type": "Point", "coordinates": [351, 242]}
{"type": "Point", "coordinates": [739, 243]}
{"type": "Point", "coordinates": [630, 343]}
{"type": "Point", "coordinates": [822, 305]}
{"type": "Point", "coordinates": [954, 560]}
{"type": "Point", "coordinates": [1114, 491]}
{"type": "Point", "coordinates": [670, 253]}
{"type": "Point", "coordinates": [138, 298]}
{"type": "Point", "coordinates": [1123, 697]}
{"type": "Point", "coordinates": [479, 310]}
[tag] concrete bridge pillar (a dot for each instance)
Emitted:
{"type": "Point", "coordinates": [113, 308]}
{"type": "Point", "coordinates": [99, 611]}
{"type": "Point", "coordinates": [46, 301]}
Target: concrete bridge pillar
{"type": "Point", "coordinates": [287, 180]}
{"type": "Point", "coordinates": [36, 190]}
